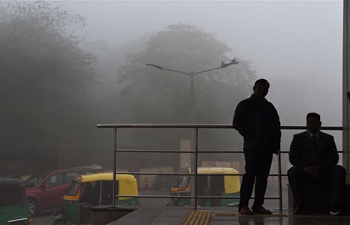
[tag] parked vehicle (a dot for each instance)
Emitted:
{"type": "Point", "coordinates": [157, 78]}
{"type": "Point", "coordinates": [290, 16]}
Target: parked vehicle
{"type": "Point", "coordinates": [77, 205]}
{"type": "Point", "coordinates": [44, 190]}
{"type": "Point", "coordinates": [208, 185]}
{"type": "Point", "coordinates": [13, 202]}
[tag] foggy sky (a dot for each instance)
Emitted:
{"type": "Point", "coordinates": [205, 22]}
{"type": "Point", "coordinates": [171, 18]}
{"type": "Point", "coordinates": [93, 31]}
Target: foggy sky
{"type": "Point", "coordinates": [296, 45]}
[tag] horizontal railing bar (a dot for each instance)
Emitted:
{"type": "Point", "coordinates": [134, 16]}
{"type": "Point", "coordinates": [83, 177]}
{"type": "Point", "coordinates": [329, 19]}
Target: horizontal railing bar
{"type": "Point", "coordinates": [164, 126]}
{"type": "Point", "coordinates": [155, 151]}
{"type": "Point", "coordinates": [154, 196]}
{"type": "Point", "coordinates": [191, 152]}
{"type": "Point", "coordinates": [156, 173]}
{"type": "Point", "coordinates": [304, 128]}
{"type": "Point", "coordinates": [219, 151]}
{"type": "Point", "coordinates": [223, 126]}
{"type": "Point", "coordinates": [192, 174]}
{"type": "Point", "coordinates": [231, 197]}
{"type": "Point", "coordinates": [179, 151]}
{"type": "Point", "coordinates": [186, 197]}
{"type": "Point", "coordinates": [288, 151]}
{"type": "Point", "coordinates": [196, 127]}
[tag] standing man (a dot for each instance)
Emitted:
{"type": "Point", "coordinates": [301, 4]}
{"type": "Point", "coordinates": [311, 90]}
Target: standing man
{"type": "Point", "coordinates": [314, 157]}
{"type": "Point", "coordinates": [257, 120]}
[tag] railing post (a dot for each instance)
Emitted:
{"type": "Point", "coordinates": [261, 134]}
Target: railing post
{"type": "Point", "coordinates": [194, 162]}
{"type": "Point", "coordinates": [114, 164]}
{"type": "Point", "coordinates": [280, 180]}
{"type": "Point", "coordinates": [196, 169]}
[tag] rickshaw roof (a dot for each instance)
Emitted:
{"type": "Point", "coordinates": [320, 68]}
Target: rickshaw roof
{"type": "Point", "coordinates": [107, 176]}
{"type": "Point", "coordinates": [10, 181]}
{"type": "Point", "coordinates": [216, 170]}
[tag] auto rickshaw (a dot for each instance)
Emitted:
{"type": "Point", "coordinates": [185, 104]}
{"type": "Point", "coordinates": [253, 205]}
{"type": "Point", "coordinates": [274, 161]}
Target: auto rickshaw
{"type": "Point", "coordinates": [13, 202]}
{"type": "Point", "coordinates": [87, 191]}
{"type": "Point", "coordinates": [208, 185]}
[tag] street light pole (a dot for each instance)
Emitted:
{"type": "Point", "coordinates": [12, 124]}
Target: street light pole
{"type": "Point", "coordinates": [191, 102]}
{"type": "Point", "coordinates": [191, 107]}
{"type": "Point", "coordinates": [191, 75]}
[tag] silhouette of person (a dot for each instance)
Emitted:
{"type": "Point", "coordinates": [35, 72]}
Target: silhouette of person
{"type": "Point", "coordinates": [257, 120]}
{"type": "Point", "coordinates": [314, 157]}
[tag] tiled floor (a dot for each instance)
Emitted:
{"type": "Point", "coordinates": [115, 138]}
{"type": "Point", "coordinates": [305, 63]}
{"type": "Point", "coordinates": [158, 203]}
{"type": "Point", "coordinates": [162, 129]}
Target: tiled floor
{"type": "Point", "coordinates": [279, 219]}
{"type": "Point", "coordinates": [174, 216]}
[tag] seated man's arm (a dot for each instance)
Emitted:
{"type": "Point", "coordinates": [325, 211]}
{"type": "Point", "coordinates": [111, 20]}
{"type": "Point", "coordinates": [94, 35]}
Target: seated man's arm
{"type": "Point", "coordinates": [333, 156]}
{"type": "Point", "coordinates": [295, 154]}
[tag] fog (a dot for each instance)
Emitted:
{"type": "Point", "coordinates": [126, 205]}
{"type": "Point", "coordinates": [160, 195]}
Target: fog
{"type": "Point", "coordinates": [295, 45]}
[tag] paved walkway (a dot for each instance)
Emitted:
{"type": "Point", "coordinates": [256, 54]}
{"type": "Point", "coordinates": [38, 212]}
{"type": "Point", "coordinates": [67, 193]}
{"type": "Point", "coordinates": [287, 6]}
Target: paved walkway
{"type": "Point", "coordinates": [220, 216]}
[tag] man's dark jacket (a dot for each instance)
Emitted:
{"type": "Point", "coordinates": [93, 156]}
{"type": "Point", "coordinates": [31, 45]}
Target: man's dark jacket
{"type": "Point", "coordinates": [248, 122]}
{"type": "Point", "coordinates": [302, 154]}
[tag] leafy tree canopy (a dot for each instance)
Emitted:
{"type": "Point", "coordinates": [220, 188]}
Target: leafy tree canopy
{"type": "Point", "coordinates": [160, 96]}
{"type": "Point", "coordinates": [38, 31]}
{"type": "Point", "coordinates": [45, 75]}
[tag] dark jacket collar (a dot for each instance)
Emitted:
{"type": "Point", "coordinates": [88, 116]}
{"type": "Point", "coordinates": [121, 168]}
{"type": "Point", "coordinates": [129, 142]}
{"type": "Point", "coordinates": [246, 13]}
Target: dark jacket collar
{"type": "Point", "coordinates": [255, 99]}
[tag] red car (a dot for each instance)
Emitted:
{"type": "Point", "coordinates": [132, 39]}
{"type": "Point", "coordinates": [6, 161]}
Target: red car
{"type": "Point", "coordinates": [44, 190]}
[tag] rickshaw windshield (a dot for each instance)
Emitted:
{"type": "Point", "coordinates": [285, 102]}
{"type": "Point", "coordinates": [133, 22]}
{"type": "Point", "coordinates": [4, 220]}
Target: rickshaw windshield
{"type": "Point", "coordinates": [34, 180]}
{"type": "Point", "coordinates": [72, 189]}
{"type": "Point", "coordinates": [182, 182]}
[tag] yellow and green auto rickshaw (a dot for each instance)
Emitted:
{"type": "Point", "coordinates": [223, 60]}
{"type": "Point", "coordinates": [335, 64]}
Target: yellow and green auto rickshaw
{"type": "Point", "coordinates": [208, 185]}
{"type": "Point", "coordinates": [14, 208]}
{"type": "Point", "coordinates": [87, 191]}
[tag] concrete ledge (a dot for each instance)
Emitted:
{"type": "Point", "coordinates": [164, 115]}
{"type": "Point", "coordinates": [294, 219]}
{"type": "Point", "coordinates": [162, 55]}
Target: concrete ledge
{"type": "Point", "coordinates": [104, 214]}
{"type": "Point", "coordinates": [153, 216]}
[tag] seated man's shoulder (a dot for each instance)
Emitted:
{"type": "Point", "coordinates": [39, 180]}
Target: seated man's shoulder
{"type": "Point", "coordinates": [301, 134]}
{"type": "Point", "coordinates": [326, 135]}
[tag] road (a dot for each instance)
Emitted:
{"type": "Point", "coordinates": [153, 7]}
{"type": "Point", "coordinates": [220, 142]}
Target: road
{"type": "Point", "coordinates": [272, 190]}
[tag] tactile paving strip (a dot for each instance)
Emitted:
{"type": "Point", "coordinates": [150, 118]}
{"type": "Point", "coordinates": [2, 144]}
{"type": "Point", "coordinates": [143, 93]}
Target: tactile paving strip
{"type": "Point", "coordinates": [197, 217]}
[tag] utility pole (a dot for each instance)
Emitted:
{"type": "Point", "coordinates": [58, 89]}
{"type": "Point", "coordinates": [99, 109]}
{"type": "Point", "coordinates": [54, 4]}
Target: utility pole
{"type": "Point", "coordinates": [191, 75]}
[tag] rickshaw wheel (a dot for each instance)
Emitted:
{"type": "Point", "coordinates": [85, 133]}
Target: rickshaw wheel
{"type": "Point", "coordinates": [59, 222]}
{"type": "Point", "coordinates": [33, 208]}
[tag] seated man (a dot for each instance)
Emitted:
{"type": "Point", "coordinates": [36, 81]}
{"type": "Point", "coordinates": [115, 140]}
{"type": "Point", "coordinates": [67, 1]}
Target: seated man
{"type": "Point", "coordinates": [314, 157]}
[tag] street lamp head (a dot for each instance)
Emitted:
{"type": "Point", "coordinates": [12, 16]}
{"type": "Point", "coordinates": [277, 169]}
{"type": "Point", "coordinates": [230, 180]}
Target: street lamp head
{"type": "Point", "coordinates": [233, 61]}
{"type": "Point", "coordinates": [156, 66]}
{"type": "Point", "coordinates": [224, 65]}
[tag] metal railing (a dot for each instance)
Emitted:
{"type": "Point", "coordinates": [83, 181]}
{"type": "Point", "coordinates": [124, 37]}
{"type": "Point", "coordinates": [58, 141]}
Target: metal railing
{"type": "Point", "coordinates": [194, 151]}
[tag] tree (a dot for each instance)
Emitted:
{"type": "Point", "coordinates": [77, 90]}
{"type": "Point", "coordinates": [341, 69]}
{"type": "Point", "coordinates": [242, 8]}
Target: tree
{"type": "Point", "coordinates": [45, 77]}
{"type": "Point", "coordinates": [186, 48]}
{"type": "Point", "coordinates": [158, 96]}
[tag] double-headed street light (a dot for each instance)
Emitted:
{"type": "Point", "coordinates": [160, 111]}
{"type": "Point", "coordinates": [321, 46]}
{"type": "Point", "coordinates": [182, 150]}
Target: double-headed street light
{"type": "Point", "coordinates": [191, 75]}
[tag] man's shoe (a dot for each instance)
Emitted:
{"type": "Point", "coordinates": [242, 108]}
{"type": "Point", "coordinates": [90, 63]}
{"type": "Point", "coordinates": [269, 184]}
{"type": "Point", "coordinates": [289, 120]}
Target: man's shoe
{"type": "Point", "coordinates": [260, 210]}
{"type": "Point", "coordinates": [334, 211]}
{"type": "Point", "coordinates": [245, 211]}
{"type": "Point", "coordinates": [299, 211]}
